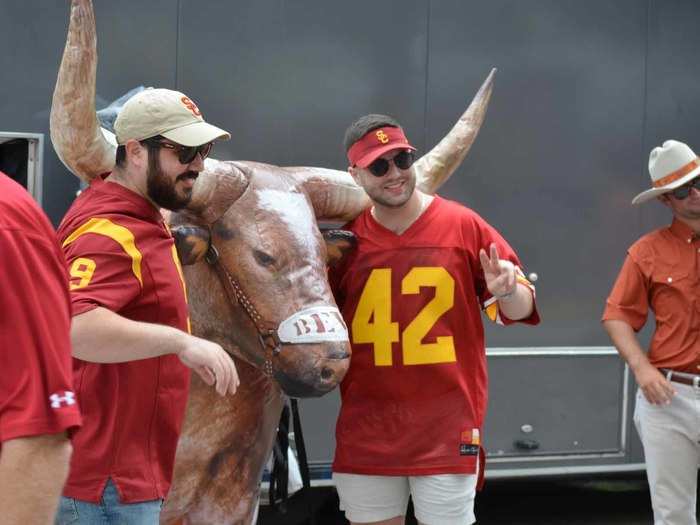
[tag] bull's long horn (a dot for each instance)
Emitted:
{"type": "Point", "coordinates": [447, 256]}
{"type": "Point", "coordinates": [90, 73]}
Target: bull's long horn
{"type": "Point", "coordinates": [334, 195]}
{"type": "Point", "coordinates": [75, 131]}
{"type": "Point", "coordinates": [217, 188]}
{"type": "Point", "coordinates": [435, 167]}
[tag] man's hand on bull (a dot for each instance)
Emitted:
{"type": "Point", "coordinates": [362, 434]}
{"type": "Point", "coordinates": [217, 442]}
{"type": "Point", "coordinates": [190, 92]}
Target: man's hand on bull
{"type": "Point", "coordinates": [500, 275]}
{"type": "Point", "coordinates": [211, 363]}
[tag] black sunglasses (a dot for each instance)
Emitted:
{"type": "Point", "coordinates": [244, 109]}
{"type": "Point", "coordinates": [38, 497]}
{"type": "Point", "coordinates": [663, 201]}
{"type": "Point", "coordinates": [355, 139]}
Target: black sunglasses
{"type": "Point", "coordinates": [682, 192]}
{"type": "Point", "coordinates": [403, 160]}
{"type": "Point", "coordinates": [185, 154]}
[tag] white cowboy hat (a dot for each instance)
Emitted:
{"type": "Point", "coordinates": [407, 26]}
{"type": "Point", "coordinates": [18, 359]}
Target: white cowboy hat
{"type": "Point", "coordinates": [670, 166]}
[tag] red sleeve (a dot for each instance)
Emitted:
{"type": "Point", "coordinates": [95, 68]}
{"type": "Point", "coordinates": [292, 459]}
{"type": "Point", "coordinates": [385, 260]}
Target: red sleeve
{"type": "Point", "coordinates": [102, 273]}
{"type": "Point", "coordinates": [36, 392]}
{"type": "Point", "coordinates": [628, 300]}
{"type": "Point", "coordinates": [487, 235]}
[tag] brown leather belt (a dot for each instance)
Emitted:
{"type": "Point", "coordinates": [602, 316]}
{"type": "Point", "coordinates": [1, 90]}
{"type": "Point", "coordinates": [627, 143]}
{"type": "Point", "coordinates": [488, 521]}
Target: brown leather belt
{"type": "Point", "coordinates": [681, 377]}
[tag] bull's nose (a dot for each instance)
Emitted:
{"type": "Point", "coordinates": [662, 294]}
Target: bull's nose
{"type": "Point", "coordinates": [333, 371]}
{"type": "Point", "coordinates": [312, 371]}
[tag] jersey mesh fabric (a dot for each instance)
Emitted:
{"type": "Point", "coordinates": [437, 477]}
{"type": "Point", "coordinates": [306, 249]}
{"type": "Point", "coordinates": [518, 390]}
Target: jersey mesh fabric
{"type": "Point", "coordinates": [36, 390]}
{"type": "Point", "coordinates": [416, 406]}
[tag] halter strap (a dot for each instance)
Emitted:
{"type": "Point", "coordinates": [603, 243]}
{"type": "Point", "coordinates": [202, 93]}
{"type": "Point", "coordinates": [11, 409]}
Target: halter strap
{"type": "Point", "coordinates": [267, 333]}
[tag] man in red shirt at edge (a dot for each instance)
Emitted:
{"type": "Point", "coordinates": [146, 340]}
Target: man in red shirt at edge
{"type": "Point", "coordinates": [131, 340]}
{"type": "Point", "coordinates": [660, 273]}
{"type": "Point", "coordinates": [414, 398]}
{"type": "Point", "coordinates": [37, 402]}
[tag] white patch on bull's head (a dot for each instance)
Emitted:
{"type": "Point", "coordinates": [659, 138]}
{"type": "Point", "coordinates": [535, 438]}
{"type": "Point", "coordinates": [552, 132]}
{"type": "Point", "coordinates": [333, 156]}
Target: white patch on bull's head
{"type": "Point", "coordinates": [293, 210]}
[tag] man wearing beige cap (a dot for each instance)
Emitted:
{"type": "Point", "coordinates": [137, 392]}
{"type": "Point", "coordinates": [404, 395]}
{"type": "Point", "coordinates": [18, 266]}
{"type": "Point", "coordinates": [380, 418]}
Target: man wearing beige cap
{"type": "Point", "coordinates": [131, 331]}
{"type": "Point", "coordinates": [661, 273]}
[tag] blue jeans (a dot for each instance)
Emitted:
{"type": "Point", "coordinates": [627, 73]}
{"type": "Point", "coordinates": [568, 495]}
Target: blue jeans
{"type": "Point", "coordinates": [109, 511]}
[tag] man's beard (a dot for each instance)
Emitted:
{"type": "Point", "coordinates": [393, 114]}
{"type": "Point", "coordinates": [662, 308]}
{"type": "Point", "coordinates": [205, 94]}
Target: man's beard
{"type": "Point", "coordinates": [161, 189]}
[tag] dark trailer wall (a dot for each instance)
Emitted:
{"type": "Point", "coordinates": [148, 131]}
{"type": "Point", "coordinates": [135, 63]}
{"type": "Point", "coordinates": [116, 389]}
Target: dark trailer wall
{"type": "Point", "coordinates": [584, 90]}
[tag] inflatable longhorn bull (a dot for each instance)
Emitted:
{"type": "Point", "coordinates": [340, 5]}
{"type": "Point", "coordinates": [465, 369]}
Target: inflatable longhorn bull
{"type": "Point", "coordinates": [255, 267]}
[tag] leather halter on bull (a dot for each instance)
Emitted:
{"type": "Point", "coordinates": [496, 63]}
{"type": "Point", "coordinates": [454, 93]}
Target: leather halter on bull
{"type": "Point", "coordinates": [267, 333]}
{"type": "Point", "coordinates": [222, 432]}
{"type": "Point", "coordinates": [270, 335]}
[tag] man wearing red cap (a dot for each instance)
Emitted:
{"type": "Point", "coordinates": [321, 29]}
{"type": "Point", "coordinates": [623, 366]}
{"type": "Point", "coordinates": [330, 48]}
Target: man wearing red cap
{"type": "Point", "coordinates": [660, 273]}
{"type": "Point", "coordinates": [414, 398]}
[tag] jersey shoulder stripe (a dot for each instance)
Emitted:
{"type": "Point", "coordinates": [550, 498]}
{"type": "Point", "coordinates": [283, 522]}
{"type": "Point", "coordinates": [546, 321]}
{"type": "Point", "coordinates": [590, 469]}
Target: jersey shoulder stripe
{"type": "Point", "coordinates": [116, 232]}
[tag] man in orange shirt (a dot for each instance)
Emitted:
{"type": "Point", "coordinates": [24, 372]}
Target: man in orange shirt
{"type": "Point", "coordinates": [661, 272]}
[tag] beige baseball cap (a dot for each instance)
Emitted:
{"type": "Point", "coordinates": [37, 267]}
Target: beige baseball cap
{"type": "Point", "coordinates": [168, 113]}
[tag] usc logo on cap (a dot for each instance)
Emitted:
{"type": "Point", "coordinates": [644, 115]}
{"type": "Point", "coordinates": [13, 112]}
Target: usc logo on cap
{"type": "Point", "coordinates": [382, 137]}
{"type": "Point", "coordinates": [189, 104]}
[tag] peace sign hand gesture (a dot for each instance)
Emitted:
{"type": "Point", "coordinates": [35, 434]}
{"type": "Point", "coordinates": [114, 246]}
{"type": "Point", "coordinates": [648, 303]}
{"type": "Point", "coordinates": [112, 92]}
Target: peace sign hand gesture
{"type": "Point", "coordinates": [499, 273]}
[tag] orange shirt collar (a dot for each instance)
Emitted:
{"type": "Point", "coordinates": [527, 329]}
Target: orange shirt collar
{"type": "Point", "coordinates": [681, 230]}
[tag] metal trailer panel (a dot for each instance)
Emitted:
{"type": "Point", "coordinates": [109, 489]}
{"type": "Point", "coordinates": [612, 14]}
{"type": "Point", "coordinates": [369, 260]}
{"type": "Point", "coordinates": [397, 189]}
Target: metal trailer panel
{"type": "Point", "coordinates": [555, 402]}
{"type": "Point", "coordinates": [292, 75]}
{"type": "Point", "coordinates": [556, 165]}
{"type": "Point", "coordinates": [136, 44]}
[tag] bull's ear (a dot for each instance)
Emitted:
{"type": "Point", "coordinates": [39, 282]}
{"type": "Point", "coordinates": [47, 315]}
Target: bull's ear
{"type": "Point", "coordinates": [339, 243]}
{"type": "Point", "coordinates": [191, 242]}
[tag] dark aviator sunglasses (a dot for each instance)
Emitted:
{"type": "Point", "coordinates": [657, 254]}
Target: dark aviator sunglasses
{"type": "Point", "coordinates": [682, 192]}
{"type": "Point", "coordinates": [402, 160]}
{"type": "Point", "coordinates": [185, 154]}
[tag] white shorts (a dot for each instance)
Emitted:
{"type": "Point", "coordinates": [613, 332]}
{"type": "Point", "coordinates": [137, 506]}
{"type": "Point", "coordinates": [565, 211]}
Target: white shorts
{"type": "Point", "coordinates": [445, 499]}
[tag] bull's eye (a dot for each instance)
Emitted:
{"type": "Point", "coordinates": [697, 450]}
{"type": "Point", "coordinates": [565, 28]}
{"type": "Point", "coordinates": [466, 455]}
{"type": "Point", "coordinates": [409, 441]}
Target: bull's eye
{"type": "Point", "coordinates": [263, 258]}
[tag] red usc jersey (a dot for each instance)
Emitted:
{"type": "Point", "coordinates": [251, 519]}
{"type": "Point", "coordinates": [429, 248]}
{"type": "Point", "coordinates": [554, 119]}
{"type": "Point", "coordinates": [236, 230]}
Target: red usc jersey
{"type": "Point", "coordinates": [36, 385]}
{"type": "Point", "coordinates": [414, 398]}
{"type": "Point", "coordinates": [121, 256]}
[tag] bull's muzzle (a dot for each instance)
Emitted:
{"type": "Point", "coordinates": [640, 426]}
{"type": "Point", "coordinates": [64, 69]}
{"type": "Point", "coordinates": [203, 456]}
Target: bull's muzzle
{"type": "Point", "coordinates": [315, 351]}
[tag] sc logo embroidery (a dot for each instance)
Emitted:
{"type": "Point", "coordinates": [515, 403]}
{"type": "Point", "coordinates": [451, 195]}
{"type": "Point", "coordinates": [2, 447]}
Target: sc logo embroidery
{"type": "Point", "coordinates": [189, 104]}
{"type": "Point", "coordinates": [382, 137]}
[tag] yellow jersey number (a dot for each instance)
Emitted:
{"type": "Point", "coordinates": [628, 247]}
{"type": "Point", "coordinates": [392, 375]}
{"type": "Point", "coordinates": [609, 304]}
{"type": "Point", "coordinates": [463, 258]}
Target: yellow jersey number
{"type": "Point", "coordinates": [372, 321]}
{"type": "Point", "coordinates": [82, 269]}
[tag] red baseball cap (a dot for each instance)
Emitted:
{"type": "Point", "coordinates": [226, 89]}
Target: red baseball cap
{"type": "Point", "coordinates": [376, 143]}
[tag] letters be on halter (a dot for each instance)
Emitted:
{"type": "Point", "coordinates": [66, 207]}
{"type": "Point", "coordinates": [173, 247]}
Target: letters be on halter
{"type": "Point", "coordinates": [313, 325]}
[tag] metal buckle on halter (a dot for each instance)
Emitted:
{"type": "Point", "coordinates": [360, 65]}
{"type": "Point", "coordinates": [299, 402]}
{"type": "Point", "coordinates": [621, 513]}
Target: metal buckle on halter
{"type": "Point", "coordinates": [276, 348]}
{"type": "Point", "coordinates": [696, 382]}
{"type": "Point", "coordinates": [212, 255]}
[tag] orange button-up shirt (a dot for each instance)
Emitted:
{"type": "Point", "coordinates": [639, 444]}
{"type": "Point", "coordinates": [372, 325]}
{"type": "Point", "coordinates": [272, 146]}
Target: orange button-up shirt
{"type": "Point", "coordinates": [661, 272]}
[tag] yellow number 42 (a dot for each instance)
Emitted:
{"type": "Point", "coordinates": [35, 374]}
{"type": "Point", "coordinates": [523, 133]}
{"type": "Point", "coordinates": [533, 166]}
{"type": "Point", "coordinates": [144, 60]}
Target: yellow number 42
{"type": "Point", "coordinates": [372, 321]}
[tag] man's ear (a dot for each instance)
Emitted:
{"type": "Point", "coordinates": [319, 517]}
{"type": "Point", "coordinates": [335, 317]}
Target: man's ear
{"type": "Point", "coordinates": [191, 242]}
{"type": "Point", "coordinates": [353, 173]}
{"type": "Point", "coordinates": [135, 152]}
{"type": "Point", "coordinates": [339, 243]}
